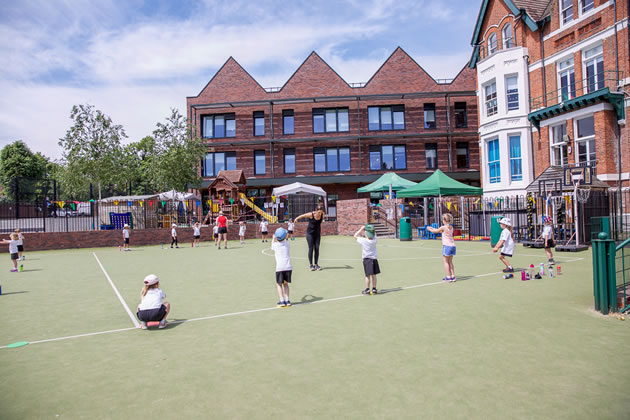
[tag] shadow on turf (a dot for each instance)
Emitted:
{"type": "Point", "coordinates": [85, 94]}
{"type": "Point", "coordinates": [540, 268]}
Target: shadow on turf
{"type": "Point", "coordinates": [306, 299]}
{"type": "Point", "coordinates": [15, 293]}
{"type": "Point", "coordinates": [31, 269]}
{"type": "Point", "coordinates": [343, 267]}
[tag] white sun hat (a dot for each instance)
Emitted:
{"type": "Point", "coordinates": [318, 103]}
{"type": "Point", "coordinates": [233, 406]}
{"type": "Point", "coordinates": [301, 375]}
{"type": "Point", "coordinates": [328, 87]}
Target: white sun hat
{"type": "Point", "coordinates": [505, 221]}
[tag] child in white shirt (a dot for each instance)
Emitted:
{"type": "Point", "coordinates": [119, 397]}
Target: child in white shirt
{"type": "Point", "coordinates": [280, 247]}
{"type": "Point", "coordinates": [241, 231]}
{"type": "Point", "coordinates": [174, 235]}
{"type": "Point", "coordinates": [215, 233]}
{"type": "Point", "coordinates": [152, 306]}
{"type": "Point", "coordinates": [547, 235]}
{"type": "Point", "coordinates": [290, 227]}
{"type": "Point", "coordinates": [13, 250]}
{"type": "Point", "coordinates": [125, 232]}
{"type": "Point", "coordinates": [20, 244]}
{"type": "Point", "coordinates": [263, 229]}
{"type": "Point", "coordinates": [196, 234]}
{"type": "Point", "coordinates": [369, 254]}
{"type": "Point", "coordinates": [507, 242]}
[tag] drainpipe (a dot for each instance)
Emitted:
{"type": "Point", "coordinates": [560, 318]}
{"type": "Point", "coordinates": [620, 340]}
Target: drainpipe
{"type": "Point", "coordinates": [448, 132]}
{"type": "Point", "coordinates": [271, 139]}
{"type": "Point", "coordinates": [541, 24]}
{"type": "Point", "coordinates": [618, 126]}
{"type": "Point", "coordinates": [359, 136]}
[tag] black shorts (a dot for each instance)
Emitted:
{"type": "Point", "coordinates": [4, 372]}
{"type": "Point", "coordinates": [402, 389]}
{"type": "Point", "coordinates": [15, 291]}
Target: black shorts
{"type": "Point", "coordinates": [127, 240]}
{"type": "Point", "coordinates": [196, 236]}
{"type": "Point", "coordinates": [290, 231]}
{"type": "Point", "coordinates": [215, 236]}
{"type": "Point", "coordinates": [370, 266]}
{"type": "Point", "coordinates": [222, 230]}
{"type": "Point", "coordinates": [148, 315]}
{"type": "Point", "coordinates": [264, 232]}
{"type": "Point", "coordinates": [506, 255]}
{"type": "Point", "coordinates": [550, 243]}
{"type": "Point", "coordinates": [14, 256]}
{"type": "Point", "coordinates": [20, 248]}
{"type": "Point", "coordinates": [283, 276]}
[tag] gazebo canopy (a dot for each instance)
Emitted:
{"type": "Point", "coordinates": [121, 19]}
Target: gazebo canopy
{"type": "Point", "coordinates": [439, 184]}
{"type": "Point", "coordinates": [383, 183]}
{"type": "Point", "coordinates": [176, 196]}
{"type": "Point", "coordinates": [298, 187]}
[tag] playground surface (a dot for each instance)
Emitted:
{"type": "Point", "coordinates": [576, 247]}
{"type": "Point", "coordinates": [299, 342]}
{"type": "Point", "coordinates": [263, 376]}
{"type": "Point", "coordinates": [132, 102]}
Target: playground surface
{"type": "Point", "coordinates": [481, 348]}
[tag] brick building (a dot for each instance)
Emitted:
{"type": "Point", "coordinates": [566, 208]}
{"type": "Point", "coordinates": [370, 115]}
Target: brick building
{"type": "Point", "coordinates": [576, 57]}
{"type": "Point", "coordinates": [320, 130]}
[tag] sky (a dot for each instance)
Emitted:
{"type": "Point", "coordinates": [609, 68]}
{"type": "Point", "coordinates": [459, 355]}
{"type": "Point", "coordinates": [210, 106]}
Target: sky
{"type": "Point", "coordinates": [135, 60]}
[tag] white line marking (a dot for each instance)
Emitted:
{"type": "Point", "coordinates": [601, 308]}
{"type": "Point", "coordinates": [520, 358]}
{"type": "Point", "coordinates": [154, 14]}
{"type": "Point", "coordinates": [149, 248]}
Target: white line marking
{"type": "Point", "coordinates": [122, 301]}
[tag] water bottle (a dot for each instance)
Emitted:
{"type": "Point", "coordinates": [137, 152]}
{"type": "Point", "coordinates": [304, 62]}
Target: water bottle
{"type": "Point", "coordinates": [559, 269]}
{"type": "Point", "coordinates": [523, 275]}
{"type": "Point", "coordinates": [21, 267]}
{"type": "Point", "coordinates": [531, 271]}
{"type": "Point", "coordinates": [550, 271]}
{"type": "Point", "coordinates": [542, 269]}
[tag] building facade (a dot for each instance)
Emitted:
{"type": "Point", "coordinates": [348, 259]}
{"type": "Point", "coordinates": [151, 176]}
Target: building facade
{"type": "Point", "coordinates": [575, 61]}
{"type": "Point", "coordinates": [320, 130]}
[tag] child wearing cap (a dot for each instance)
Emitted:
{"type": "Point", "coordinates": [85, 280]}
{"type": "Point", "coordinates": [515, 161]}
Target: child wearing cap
{"type": "Point", "coordinates": [125, 232]}
{"type": "Point", "coordinates": [13, 250]}
{"type": "Point", "coordinates": [448, 245]}
{"type": "Point", "coordinates": [152, 306]}
{"type": "Point", "coordinates": [280, 247]}
{"type": "Point", "coordinates": [174, 235]}
{"type": "Point", "coordinates": [506, 241]}
{"type": "Point", "coordinates": [547, 235]}
{"type": "Point", "coordinates": [368, 252]}
{"type": "Point", "coordinates": [241, 231]}
{"type": "Point", "coordinates": [196, 234]}
{"type": "Point", "coordinates": [290, 228]}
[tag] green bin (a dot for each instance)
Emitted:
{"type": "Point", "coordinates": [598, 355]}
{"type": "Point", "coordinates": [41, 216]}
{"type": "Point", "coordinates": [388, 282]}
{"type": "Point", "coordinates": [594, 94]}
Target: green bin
{"type": "Point", "coordinates": [405, 229]}
{"type": "Point", "coordinates": [495, 230]}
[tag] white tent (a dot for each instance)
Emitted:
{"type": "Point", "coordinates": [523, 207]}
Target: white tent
{"type": "Point", "coordinates": [125, 198]}
{"type": "Point", "coordinates": [298, 187]}
{"type": "Point", "coordinates": [177, 196]}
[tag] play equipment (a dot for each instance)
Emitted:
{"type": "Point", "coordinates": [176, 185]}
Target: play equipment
{"type": "Point", "coordinates": [270, 218]}
{"type": "Point", "coordinates": [118, 220]}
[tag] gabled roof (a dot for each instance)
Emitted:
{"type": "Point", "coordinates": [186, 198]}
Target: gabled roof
{"type": "Point", "coordinates": [400, 65]}
{"type": "Point", "coordinates": [537, 9]}
{"type": "Point", "coordinates": [235, 176]}
{"type": "Point", "coordinates": [232, 80]}
{"type": "Point", "coordinates": [301, 81]}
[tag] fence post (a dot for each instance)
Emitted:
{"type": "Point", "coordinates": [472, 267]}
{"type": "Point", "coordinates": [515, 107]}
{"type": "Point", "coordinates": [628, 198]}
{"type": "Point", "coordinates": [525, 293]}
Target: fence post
{"type": "Point", "coordinates": [604, 275]}
{"type": "Point", "coordinates": [16, 195]}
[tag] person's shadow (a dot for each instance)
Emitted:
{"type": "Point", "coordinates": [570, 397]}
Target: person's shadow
{"type": "Point", "coordinates": [306, 299]}
{"type": "Point", "coordinates": [343, 267]}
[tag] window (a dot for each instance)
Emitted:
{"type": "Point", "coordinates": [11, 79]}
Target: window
{"type": "Point", "coordinates": [289, 161]}
{"type": "Point", "coordinates": [430, 151]}
{"type": "Point", "coordinates": [585, 139]}
{"type": "Point", "coordinates": [461, 152]}
{"type": "Point", "coordinates": [383, 158]}
{"type": "Point", "coordinates": [516, 165]}
{"type": "Point", "coordinates": [566, 11]}
{"type": "Point", "coordinates": [288, 126]}
{"type": "Point", "coordinates": [494, 166]}
{"type": "Point", "coordinates": [566, 77]}
{"type": "Point", "coordinates": [559, 155]}
{"type": "Point", "coordinates": [219, 126]}
{"type": "Point", "coordinates": [215, 162]}
{"type": "Point", "coordinates": [586, 5]}
{"type": "Point", "coordinates": [259, 123]}
{"type": "Point", "coordinates": [259, 162]}
{"type": "Point", "coordinates": [331, 159]}
{"type": "Point", "coordinates": [330, 120]}
{"type": "Point", "coordinates": [491, 99]}
{"type": "Point", "coordinates": [386, 117]}
{"type": "Point", "coordinates": [594, 66]}
{"type": "Point", "coordinates": [492, 44]}
{"type": "Point", "coordinates": [508, 39]}
{"type": "Point", "coordinates": [461, 119]}
{"type": "Point", "coordinates": [511, 87]}
{"type": "Point", "coordinates": [429, 116]}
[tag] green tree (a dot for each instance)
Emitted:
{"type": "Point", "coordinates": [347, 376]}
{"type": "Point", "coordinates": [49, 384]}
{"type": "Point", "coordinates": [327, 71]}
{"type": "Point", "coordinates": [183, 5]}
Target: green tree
{"type": "Point", "coordinates": [92, 149]}
{"type": "Point", "coordinates": [17, 160]}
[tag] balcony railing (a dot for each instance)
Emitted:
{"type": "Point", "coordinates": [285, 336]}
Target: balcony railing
{"type": "Point", "coordinates": [608, 78]}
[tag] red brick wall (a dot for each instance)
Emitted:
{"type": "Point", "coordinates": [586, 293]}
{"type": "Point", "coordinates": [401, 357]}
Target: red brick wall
{"type": "Point", "coordinates": [351, 214]}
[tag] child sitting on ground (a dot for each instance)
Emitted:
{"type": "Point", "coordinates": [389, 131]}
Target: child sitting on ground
{"type": "Point", "coordinates": [283, 266]}
{"type": "Point", "coordinates": [152, 308]}
{"type": "Point", "coordinates": [13, 250]}
{"type": "Point", "coordinates": [506, 240]}
{"type": "Point", "coordinates": [368, 252]}
{"type": "Point", "coordinates": [448, 245]}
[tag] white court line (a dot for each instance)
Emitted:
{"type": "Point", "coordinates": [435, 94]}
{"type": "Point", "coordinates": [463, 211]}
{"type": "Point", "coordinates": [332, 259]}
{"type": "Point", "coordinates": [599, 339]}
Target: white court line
{"type": "Point", "coordinates": [124, 304]}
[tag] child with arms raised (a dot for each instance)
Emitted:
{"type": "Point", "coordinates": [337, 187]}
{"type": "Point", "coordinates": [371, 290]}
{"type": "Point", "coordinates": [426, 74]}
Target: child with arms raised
{"type": "Point", "coordinates": [369, 254]}
{"type": "Point", "coordinates": [280, 247]}
{"type": "Point", "coordinates": [448, 245]}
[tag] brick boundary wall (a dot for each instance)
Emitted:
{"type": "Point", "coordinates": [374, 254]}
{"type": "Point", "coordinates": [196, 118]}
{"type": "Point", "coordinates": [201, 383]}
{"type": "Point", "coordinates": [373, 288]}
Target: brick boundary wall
{"type": "Point", "coordinates": [103, 238]}
{"type": "Point", "coordinates": [351, 214]}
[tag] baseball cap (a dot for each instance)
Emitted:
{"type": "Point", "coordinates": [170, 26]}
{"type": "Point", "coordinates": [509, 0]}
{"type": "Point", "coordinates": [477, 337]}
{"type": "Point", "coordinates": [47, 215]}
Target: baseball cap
{"type": "Point", "coordinates": [281, 233]}
{"type": "Point", "coordinates": [369, 231]}
{"type": "Point", "coordinates": [151, 279]}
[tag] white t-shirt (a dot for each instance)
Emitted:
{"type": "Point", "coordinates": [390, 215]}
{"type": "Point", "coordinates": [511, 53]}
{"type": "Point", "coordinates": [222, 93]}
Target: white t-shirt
{"type": "Point", "coordinates": [241, 230]}
{"type": "Point", "coordinates": [368, 247]}
{"type": "Point", "coordinates": [283, 259]}
{"type": "Point", "coordinates": [196, 231]}
{"type": "Point", "coordinates": [20, 239]}
{"type": "Point", "coordinates": [13, 247]}
{"type": "Point", "coordinates": [291, 226]}
{"type": "Point", "coordinates": [215, 229]}
{"type": "Point", "coordinates": [263, 226]}
{"type": "Point", "coordinates": [173, 233]}
{"type": "Point", "coordinates": [547, 232]}
{"type": "Point", "coordinates": [508, 244]}
{"type": "Point", "coordinates": [152, 300]}
{"type": "Point", "coordinates": [126, 233]}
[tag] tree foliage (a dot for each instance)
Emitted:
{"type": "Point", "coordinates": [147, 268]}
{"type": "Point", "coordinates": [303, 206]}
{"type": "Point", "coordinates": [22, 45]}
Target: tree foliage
{"type": "Point", "coordinates": [17, 160]}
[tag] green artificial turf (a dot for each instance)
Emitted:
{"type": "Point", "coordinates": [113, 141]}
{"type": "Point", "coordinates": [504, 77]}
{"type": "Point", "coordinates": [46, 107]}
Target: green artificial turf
{"type": "Point", "coordinates": [481, 348]}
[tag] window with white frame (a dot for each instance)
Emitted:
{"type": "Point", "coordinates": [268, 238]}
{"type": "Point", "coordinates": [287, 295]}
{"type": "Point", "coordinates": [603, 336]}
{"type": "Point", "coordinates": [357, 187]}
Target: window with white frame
{"type": "Point", "coordinates": [566, 80]}
{"type": "Point", "coordinates": [511, 88]}
{"type": "Point", "coordinates": [491, 99]}
{"type": "Point", "coordinates": [594, 68]}
{"type": "Point", "coordinates": [516, 164]}
{"type": "Point", "coordinates": [508, 38]}
{"type": "Point", "coordinates": [559, 146]}
{"type": "Point", "coordinates": [586, 5]}
{"type": "Point", "coordinates": [585, 139]}
{"type": "Point", "coordinates": [492, 44]}
{"type": "Point", "coordinates": [566, 11]}
{"type": "Point", "coordinates": [494, 163]}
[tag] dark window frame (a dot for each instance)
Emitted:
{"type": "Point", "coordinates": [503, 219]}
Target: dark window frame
{"type": "Point", "coordinates": [434, 146]}
{"type": "Point", "coordinates": [460, 145]}
{"type": "Point", "coordinates": [256, 116]}
{"type": "Point", "coordinates": [465, 114]}
{"type": "Point", "coordinates": [257, 153]}
{"type": "Point", "coordinates": [393, 109]}
{"type": "Point", "coordinates": [379, 148]}
{"type": "Point", "coordinates": [285, 153]}
{"type": "Point", "coordinates": [286, 113]}
{"type": "Point", "coordinates": [322, 112]}
{"type": "Point", "coordinates": [226, 155]}
{"type": "Point", "coordinates": [428, 107]}
{"type": "Point", "coordinates": [226, 117]}
{"type": "Point", "coordinates": [324, 151]}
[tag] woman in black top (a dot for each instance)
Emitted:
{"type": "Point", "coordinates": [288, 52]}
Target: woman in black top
{"type": "Point", "coordinates": [313, 234]}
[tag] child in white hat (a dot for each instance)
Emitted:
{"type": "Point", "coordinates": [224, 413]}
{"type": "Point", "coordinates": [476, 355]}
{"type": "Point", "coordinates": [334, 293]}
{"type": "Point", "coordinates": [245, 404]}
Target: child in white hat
{"type": "Point", "coordinates": [152, 306]}
{"type": "Point", "coordinates": [506, 241]}
{"type": "Point", "coordinates": [126, 233]}
{"type": "Point", "coordinates": [174, 235]}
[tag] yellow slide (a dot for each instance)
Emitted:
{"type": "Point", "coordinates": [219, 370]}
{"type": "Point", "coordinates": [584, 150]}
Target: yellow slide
{"type": "Point", "coordinates": [249, 203]}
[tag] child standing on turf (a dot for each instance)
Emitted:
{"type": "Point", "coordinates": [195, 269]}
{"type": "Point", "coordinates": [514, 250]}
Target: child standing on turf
{"type": "Point", "coordinates": [506, 240]}
{"type": "Point", "coordinates": [547, 235]}
{"type": "Point", "coordinates": [13, 250]}
{"type": "Point", "coordinates": [241, 231]}
{"type": "Point", "coordinates": [263, 229]}
{"type": "Point", "coordinates": [152, 306]}
{"type": "Point", "coordinates": [448, 245]}
{"type": "Point", "coordinates": [290, 227]}
{"type": "Point", "coordinates": [280, 247]}
{"type": "Point", "coordinates": [174, 235]}
{"type": "Point", "coordinates": [125, 232]}
{"type": "Point", "coordinates": [196, 234]}
{"type": "Point", "coordinates": [368, 252]}
{"type": "Point", "coordinates": [215, 233]}
{"type": "Point", "coordinates": [20, 244]}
